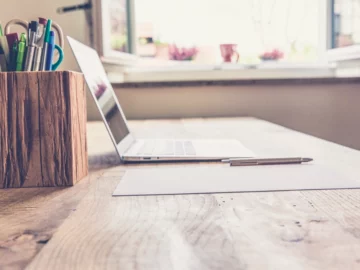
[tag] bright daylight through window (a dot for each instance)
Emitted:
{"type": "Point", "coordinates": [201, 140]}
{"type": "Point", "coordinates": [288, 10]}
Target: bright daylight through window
{"type": "Point", "coordinates": [203, 30]}
{"type": "Point", "coordinates": [242, 31]}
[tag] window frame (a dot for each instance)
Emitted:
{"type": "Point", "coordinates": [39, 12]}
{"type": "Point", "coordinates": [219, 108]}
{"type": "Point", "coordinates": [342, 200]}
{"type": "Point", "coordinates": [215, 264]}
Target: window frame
{"type": "Point", "coordinates": [100, 34]}
{"type": "Point", "coordinates": [349, 53]}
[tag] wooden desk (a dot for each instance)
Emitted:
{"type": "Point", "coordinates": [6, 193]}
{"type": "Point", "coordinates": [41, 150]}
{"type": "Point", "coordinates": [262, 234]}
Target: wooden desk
{"type": "Point", "coordinates": [84, 227]}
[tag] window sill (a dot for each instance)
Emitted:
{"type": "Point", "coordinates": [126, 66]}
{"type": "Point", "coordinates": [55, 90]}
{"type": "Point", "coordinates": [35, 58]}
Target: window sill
{"type": "Point", "coordinates": [224, 72]}
{"type": "Point", "coordinates": [351, 53]}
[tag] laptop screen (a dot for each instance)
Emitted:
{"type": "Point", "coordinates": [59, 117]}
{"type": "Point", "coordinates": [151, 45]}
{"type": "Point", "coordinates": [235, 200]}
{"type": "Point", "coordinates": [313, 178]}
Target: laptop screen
{"type": "Point", "coordinates": [103, 93]}
{"type": "Point", "coordinates": [115, 120]}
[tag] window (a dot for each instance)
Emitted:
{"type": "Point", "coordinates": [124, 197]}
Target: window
{"type": "Point", "coordinates": [196, 31]}
{"type": "Point", "coordinates": [346, 21]}
{"type": "Point", "coordinates": [258, 27]}
{"type": "Point", "coordinates": [112, 28]}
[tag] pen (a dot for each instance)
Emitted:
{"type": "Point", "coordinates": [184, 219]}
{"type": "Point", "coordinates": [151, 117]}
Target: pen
{"type": "Point", "coordinates": [45, 47]}
{"type": "Point", "coordinates": [50, 52]}
{"type": "Point", "coordinates": [21, 53]}
{"type": "Point", "coordinates": [13, 55]}
{"type": "Point", "coordinates": [267, 161]}
{"type": "Point", "coordinates": [33, 28]}
{"type": "Point", "coordinates": [1, 31]}
{"type": "Point", "coordinates": [39, 44]}
{"type": "Point", "coordinates": [12, 39]}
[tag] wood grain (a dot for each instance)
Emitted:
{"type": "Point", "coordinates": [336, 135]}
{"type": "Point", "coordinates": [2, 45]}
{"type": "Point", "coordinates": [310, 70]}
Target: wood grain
{"type": "Point", "coordinates": [29, 217]}
{"type": "Point", "coordinates": [43, 128]}
{"type": "Point", "coordinates": [84, 227]}
{"type": "Point", "coordinates": [267, 230]}
{"type": "Point", "coordinates": [23, 160]}
{"type": "Point", "coordinates": [78, 154]}
{"type": "Point", "coordinates": [232, 231]}
{"type": "Point", "coordinates": [3, 128]}
{"type": "Point", "coordinates": [54, 129]}
{"type": "Point", "coordinates": [62, 128]}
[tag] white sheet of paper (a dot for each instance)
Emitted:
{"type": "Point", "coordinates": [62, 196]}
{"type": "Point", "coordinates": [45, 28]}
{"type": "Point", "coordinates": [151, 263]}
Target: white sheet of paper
{"type": "Point", "coordinates": [222, 179]}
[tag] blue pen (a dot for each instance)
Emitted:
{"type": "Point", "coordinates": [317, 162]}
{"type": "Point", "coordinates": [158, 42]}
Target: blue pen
{"type": "Point", "coordinates": [50, 53]}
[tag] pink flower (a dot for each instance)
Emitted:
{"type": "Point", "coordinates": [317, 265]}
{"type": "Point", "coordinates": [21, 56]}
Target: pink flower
{"type": "Point", "coordinates": [180, 54]}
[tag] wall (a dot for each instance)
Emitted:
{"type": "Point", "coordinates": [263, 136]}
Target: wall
{"type": "Point", "coordinates": [73, 24]}
{"type": "Point", "coordinates": [329, 111]}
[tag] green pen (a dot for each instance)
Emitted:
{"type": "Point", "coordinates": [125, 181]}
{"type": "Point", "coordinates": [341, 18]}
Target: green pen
{"type": "Point", "coordinates": [21, 53]}
{"type": "Point", "coordinates": [1, 31]}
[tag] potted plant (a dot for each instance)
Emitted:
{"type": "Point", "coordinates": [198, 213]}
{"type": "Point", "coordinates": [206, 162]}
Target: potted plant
{"type": "Point", "coordinates": [183, 53]}
{"type": "Point", "coordinates": [273, 55]}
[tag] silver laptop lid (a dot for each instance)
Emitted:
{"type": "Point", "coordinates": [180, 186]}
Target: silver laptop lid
{"type": "Point", "coordinates": [103, 94]}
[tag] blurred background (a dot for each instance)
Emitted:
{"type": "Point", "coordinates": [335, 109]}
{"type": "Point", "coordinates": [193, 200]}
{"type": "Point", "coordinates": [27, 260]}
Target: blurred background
{"type": "Point", "coordinates": [256, 26]}
{"type": "Point", "coordinates": [291, 62]}
{"type": "Point", "coordinates": [291, 31]}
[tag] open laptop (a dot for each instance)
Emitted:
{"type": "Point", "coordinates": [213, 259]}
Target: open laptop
{"type": "Point", "coordinates": [136, 150]}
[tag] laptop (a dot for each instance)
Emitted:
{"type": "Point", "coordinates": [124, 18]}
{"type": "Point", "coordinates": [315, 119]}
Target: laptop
{"type": "Point", "coordinates": [127, 146]}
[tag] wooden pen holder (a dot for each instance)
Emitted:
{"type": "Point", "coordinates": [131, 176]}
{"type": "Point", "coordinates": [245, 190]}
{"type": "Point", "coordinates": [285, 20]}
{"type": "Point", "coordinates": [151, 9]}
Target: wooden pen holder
{"type": "Point", "coordinates": [42, 129]}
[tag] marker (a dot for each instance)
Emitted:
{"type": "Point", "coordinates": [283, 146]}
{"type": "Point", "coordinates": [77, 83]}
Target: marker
{"type": "Point", "coordinates": [50, 51]}
{"type": "Point", "coordinates": [50, 54]}
{"type": "Point", "coordinates": [31, 45]}
{"type": "Point", "coordinates": [11, 40]}
{"type": "Point", "coordinates": [45, 47]}
{"type": "Point", "coordinates": [13, 55]}
{"type": "Point", "coordinates": [21, 53]}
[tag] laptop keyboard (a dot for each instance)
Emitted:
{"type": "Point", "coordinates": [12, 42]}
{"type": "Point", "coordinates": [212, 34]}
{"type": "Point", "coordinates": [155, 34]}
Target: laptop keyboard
{"type": "Point", "coordinates": [167, 148]}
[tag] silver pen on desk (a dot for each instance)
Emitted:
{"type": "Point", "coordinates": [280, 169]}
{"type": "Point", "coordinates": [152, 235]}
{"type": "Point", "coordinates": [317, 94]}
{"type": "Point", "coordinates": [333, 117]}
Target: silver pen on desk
{"type": "Point", "coordinates": [33, 28]}
{"type": "Point", "coordinates": [267, 161]}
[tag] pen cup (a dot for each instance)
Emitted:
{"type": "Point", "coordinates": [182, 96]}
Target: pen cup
{"type": "Point", "coordinates": [42, 129]}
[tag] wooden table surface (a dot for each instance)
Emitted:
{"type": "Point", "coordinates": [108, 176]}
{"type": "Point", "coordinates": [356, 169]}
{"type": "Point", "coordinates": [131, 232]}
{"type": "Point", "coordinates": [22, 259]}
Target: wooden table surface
{"type": "Point", "coordinates": [84, 227]}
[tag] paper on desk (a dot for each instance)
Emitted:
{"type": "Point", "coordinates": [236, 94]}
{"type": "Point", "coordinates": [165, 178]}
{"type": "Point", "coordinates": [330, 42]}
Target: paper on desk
{"type": "Point", "coordinates": [221, 179]}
